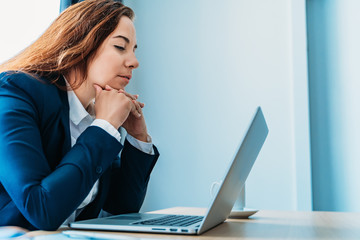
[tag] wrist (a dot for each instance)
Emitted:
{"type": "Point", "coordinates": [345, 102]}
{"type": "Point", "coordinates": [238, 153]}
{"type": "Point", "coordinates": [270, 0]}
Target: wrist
{"type": "Point", "coordinates": [116, 126]}
{"type": "Point", "coordinates": [142, 137]}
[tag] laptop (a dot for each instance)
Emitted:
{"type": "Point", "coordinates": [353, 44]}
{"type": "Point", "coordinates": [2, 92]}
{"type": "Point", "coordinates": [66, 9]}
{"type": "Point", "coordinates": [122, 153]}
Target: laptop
{"type": "Point", "coordinates": [220, 207]}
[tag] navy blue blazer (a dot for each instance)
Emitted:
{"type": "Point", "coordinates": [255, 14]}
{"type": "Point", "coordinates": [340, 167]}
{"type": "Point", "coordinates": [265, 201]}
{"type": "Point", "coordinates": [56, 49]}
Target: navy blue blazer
{"type": "Point", "coordinates": [42, 178]}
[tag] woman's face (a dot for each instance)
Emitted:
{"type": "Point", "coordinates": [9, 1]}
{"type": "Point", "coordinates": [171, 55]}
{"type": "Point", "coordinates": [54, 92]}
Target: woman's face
{"type": "Point", "coordinates": [115, 59]}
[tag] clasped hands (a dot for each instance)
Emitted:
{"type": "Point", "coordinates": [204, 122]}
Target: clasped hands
{"type": "Point", "coordinates": [120, 108]}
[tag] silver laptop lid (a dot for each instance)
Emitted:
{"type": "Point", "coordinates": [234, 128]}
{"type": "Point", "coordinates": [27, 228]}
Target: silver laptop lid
{"type": "Point", "coordinates": [237, 173]}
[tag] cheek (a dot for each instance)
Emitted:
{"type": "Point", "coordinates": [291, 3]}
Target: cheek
{"type": "Point", "coordinates": [109, 63]}
{"type": "Point", "coordinates": [100, 71]}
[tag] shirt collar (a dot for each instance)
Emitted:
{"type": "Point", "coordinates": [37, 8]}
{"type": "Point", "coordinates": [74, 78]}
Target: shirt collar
{"type": "Point", "coordinates": [77, 111]}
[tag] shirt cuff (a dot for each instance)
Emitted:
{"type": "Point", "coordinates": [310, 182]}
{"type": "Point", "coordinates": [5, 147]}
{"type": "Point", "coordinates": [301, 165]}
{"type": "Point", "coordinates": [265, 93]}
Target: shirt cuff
{"type": "Point", "coordinates": [146, 147]}
{"type": "Point", "coordinates": [105, 125]}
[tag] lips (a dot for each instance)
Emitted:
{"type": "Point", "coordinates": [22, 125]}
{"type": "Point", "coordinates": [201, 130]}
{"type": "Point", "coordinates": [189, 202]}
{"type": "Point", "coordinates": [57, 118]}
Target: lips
{"type": "Point", "coordinates": [128, 77]}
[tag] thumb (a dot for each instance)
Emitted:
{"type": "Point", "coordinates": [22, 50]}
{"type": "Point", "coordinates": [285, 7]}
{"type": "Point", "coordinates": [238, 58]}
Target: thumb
{"type": "Point", "coordinates": [98, 90]}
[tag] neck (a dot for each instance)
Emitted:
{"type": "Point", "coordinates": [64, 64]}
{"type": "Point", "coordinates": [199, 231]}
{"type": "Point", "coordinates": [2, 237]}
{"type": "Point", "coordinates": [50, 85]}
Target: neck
{"type": "Point", "coordinates": [85, 93]}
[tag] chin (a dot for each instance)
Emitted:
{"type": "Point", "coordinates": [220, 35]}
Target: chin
{"type": "Point", "coordinates": [117, 86]}
{"type": "Point", "coordinates": [122, 87]}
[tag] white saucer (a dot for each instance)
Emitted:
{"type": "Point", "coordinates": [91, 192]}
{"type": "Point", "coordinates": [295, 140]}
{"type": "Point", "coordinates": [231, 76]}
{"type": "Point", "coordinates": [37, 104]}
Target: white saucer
{"type": "Point", "coordinates": [243, 214]}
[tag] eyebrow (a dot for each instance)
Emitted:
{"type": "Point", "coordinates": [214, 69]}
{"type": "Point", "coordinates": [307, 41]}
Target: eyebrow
{"type": "Point", "coordinates": [125, 38]}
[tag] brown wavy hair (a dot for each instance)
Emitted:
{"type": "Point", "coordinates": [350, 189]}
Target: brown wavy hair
{"type": "Point", "coordinates": [71, 41]}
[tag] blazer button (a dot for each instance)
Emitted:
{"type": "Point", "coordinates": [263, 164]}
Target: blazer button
{"type": "Point", "coordinates": [98, 169]}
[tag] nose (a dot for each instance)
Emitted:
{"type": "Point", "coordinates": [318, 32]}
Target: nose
{"type": "Point", "coordinates": [132, 61]}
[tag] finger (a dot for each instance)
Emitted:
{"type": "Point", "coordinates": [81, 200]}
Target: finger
{"type": "Point", "coordinates": [98, 90]}
{"type": "Point", "coordinates": [135, 112]}
{"type": "Point", "coordinates": [142, 105]}
{"type": "Point", "coordinates": [138, 108]}
{"type": "Point", "coordinates": [133, 97]}
{"type": "Point", "coordinates": [108, 88]}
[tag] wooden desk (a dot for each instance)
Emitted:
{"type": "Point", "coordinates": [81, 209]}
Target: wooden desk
{"type": "Point", "coordinates": [270, 225]}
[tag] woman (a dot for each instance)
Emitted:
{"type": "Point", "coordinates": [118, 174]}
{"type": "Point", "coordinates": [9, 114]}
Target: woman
{"type": "Point", "coordinates": [62, 101]}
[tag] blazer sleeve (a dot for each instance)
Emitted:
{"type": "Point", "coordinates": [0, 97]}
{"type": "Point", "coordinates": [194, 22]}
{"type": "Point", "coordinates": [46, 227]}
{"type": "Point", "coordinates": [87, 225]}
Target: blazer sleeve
{"type": "Point", "coordinates": [45, 196]}
{"type": "Point", "coordinates": [129, 180]}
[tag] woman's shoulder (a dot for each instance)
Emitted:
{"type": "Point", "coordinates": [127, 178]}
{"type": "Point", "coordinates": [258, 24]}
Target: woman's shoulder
{"type": "Point", "coordinates": [28, 87]}
{"type": "Point", "coordinates": [26, 82]}
{"type": "Point", "coordinates": [21, 78]}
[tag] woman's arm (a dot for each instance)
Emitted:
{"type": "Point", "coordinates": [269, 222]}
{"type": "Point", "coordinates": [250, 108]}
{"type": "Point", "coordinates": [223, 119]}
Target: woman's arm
{"type": "Point", "coordinates": [45, 196]}
{"type": "Point", "coordinates": [129, 180]}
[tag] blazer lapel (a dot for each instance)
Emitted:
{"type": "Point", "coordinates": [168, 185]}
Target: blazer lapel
{"type": "Point", "coordinates": [65, 116]}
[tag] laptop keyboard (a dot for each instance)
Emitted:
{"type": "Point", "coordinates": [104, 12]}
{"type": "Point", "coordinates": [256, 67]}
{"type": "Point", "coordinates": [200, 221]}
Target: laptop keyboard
{"type": "Point", "coordinates": [172, 220]}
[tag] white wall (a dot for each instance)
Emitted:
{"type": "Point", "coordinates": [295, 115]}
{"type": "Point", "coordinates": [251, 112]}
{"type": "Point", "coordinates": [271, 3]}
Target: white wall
{"type": "Point", "coordinates": [22, 22]}
{"type": "Point", "coordinates": [204, 67]}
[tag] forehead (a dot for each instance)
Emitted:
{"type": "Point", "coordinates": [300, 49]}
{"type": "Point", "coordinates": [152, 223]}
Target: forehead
{"type": "Point", "coordinates": [125, 28]}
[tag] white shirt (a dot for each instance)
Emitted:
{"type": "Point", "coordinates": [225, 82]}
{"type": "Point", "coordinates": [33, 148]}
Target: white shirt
{"type": "Point", "coordinates": [80, 119]}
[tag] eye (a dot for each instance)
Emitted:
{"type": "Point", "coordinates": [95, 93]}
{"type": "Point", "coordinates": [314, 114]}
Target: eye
{"type": "Point", "coordinates": [119, 47]}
